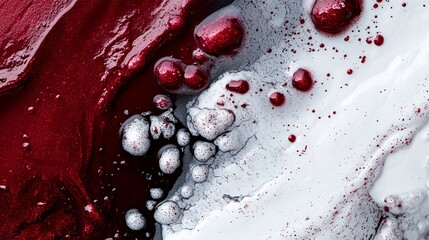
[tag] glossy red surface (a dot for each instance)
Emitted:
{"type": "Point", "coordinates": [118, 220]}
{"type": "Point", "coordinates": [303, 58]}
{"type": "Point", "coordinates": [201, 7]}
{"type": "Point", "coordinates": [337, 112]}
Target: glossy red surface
{"type": "Point", "coordinates": [334, 16]}
{"type": "Point", "coordinates": [68, 71]}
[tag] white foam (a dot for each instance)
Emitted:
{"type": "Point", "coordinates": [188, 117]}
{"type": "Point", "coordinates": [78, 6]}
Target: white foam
{"type": "Point", "coordinates": [169, 160]}
{"type": "Point", "coordinates": [156, 193]}
{"type": "Point", "coordinates": [135, 136]}
{"type": "Point", "coordinates": [200, 173]}
{"type": "Point", "coordinates": [203, 151]}
{"type": "Point", "coordinates": [209, 123]}
{"type": "Point", "coordinates": [183, 137]}
{"type": "Point", "coordinates": [135, 220]}
{"type": "Point", "coordinates": [167, 213]}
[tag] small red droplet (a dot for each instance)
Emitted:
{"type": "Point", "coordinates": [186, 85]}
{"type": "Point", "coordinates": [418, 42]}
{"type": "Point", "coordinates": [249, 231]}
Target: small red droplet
{"type": "Point", "coordinates": [292, 138]}
{"type": "Point", "coordinates": [302, 80]}
{"type": "Point", "coordinates": [277, 99]}
{"type": "Point", "coordinates": [379, 40]}
{"type": "Point", "coordinates": [195, 78]}
{"type": "Point", "coordinates": [350, 72]}
{"type": "Point", "coordinates": [238, 86]}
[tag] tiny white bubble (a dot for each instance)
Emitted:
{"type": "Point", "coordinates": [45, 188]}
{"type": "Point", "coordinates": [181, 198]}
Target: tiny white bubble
{"type": "Point", "coordinates": [186, 191]}
{"type": "Point", "coordinates": [135, 220]}
{"type": "Point", "coordinates": [162, 102]}
{"type": "Point", "coordinates": [169, 160]}
{"type": "Point", "coordinates": [156, 193]}
{"type": "Point", "coordinates": [200, 173]}
{"type": "Point", "coordinates": [183, 137]}
{"type": "Point", "coordinates": [150, 205]}
{"type": "Point", "coordinates": [203, 151]}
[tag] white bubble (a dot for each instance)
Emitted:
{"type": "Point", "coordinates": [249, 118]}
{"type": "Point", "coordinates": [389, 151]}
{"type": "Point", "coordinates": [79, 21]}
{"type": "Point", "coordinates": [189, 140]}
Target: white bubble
{"type": "Point", "coordinates": [210, 123]}
{"type": "Point", "coordinates": [203, 151]}
{"type": "Point", "coordinates": [162, 102]}
{"type": "Point", "coordinates": [163, 124]}
{"type": "Point", "coordinates": [135, 136]}
{"type": "Point", "coordinates": [186, 191]}
{"type": "Point", "coordinates": [135, 220]}
{"type": "Point", "coordinates": [169, 159]}
{"type": "Point", "coordinates": [167, 213]}
{"type": "Point", "coordinates": [200, 173]}
{"type": "Point", "coordinates": [150, 205]}
{"type": "Point", "coordinates": [156, 193]}
{"type": "Point", "coordinates": [228, 142]}
{"type": "Point", "coordinates": [183, 137]}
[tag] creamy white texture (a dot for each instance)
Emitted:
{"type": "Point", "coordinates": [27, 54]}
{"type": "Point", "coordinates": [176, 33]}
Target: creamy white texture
{"type": "Point", "coordinates": [319, 186]}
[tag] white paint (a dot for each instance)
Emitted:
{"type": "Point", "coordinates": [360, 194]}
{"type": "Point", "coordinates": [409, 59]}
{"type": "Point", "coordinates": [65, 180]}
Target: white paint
{"type": "Point", "coordinates": [318, 187]}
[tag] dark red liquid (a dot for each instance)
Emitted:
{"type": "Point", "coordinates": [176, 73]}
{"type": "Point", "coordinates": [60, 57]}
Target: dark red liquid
{"type": "Point", "coordinates": [67, 177]}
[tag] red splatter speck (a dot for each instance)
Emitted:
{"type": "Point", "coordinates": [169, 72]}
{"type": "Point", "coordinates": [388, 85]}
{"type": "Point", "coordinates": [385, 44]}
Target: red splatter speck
{"type": "Point", "coordinates": [369, 40]}
{"type": "Point", "coordinates": [195, 78]}
{"type": "Point", "coordinates": [350, 71]}
{"type": "Point", "coordinates": [292, 138]}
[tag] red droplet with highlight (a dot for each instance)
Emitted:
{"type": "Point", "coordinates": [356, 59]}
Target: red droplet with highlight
{"type": "Point", "coordinates": [334, 16]}
{"type": "Point", "coordinates": [169, 74]}
{"type": "Point", "coordinates": [221, 36]}
{"type": "Point", "coordinates": [277, 99]}
{"type": "Point", "coordinates": [195, 78]}
{"type": "Point", "coordinates": [379, 40]}
{"type": "Point", "coordinates": [302, 80]}
{"type": "Point", "coordinates": [291, 138]}
{"type": "Point", "coordinates": [238, 86]}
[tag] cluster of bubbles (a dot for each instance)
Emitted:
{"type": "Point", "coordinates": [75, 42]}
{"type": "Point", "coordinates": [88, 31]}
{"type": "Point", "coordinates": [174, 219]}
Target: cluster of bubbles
{"type": "Point", "coordinates": [136, 134]}
{"type": "Point", "coordinates": [219, 37]}
{"type": "Point", "coordinates": [211, 125]}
